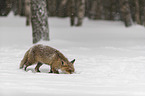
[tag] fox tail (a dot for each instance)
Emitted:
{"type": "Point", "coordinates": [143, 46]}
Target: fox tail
{"type": "Point", "coordinates": [24, 60]}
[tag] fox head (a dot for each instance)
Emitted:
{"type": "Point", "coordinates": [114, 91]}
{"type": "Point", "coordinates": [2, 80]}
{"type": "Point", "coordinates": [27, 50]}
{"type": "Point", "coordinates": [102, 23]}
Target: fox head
{"type": "Point", "coordinates": [68, 67]}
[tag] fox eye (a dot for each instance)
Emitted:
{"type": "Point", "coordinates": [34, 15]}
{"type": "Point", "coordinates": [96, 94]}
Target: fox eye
{"type": "Point", "coordinates": [62, 62]}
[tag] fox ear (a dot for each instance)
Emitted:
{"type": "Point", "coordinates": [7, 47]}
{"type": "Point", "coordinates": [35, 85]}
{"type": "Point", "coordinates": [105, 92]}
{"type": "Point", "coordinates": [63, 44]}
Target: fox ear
{"type": "Point", "coordinates": [73, 61]}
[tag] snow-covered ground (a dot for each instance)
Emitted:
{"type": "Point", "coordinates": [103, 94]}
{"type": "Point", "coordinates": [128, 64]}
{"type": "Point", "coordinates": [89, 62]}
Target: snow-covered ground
{"type": "Point", "coordinates": [110, 59]}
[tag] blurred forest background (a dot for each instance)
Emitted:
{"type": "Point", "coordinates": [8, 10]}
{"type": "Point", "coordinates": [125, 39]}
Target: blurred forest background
{"type": "Point", "coordinates": [37, 12]}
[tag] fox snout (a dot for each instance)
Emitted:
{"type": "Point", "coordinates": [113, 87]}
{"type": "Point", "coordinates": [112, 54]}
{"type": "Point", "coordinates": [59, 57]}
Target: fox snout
{"type": "Point", "coordinates": [70, 71]}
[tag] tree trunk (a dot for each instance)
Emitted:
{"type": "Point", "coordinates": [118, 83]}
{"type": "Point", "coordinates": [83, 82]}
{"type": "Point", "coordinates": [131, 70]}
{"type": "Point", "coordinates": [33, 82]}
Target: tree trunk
{"type": "Point", "coordinates": [22, 8]}
{"type": "Point", "coordinates": [28, 12]}
{"type": "Point", "coordinates": [137, 12]}
{"type": "Point", "coordinates": [92, 13]}
{"type": "Point", "coordinates": [15, 7]}
{"type": "Point", "coordinates": [5, 7]}
{"type": "Point", "coordinates": [141, 11]}
{"type": "Point", "coordinates": [9, 6]}
{"type": "Point", "coordinates": [52, 7]}
{"type": "Point", "coordinates": [125, 12]}
{"type": "Point", "coordinates": [87, 8]}
{"type": "Point", "coordinates": [72, 12]}
{"type": "Point", "coordinates": [80, 12]}
{"type": "Point", "coordinates": [67, 9]}
{"type": "Point", "coordinates": [61, 8]}
{"type": "Point", "coordinates": [144, 12]}
{"type": "Point", "coordinates": [99, 9]}
{"type": "Point", "coordinates": [19, 6]}
{"type": "Point", "coordinates": [39, 20]}
{"type": "Point", "coordinates": [112, 9]}
{"type": "Point", "coordinates": [106, 10]}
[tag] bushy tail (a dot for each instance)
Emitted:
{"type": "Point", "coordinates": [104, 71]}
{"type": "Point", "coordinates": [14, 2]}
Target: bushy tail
{"type": "Point", "coordinates": [24, 60]}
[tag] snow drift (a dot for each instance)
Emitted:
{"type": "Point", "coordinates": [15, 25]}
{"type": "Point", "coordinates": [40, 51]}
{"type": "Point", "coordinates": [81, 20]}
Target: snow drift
{"type": "Point", "coordinates": [110, 59]}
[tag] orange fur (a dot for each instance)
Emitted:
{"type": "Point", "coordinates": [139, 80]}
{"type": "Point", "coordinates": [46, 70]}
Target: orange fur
{"type": "Point", "coordinates": [40, 54]}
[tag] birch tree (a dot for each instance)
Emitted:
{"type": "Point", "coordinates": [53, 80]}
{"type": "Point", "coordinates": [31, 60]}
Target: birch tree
{"type": "Point", "coordinates": [39, 20]}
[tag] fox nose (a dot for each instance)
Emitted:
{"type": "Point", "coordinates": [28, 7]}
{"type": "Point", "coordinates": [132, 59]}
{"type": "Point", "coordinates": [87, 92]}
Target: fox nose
{"type": "Point", "coordinates": [69, 72]}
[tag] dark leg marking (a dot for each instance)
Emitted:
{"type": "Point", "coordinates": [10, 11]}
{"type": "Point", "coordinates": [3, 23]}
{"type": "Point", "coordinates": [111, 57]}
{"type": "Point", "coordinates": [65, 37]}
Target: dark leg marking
{"type": "Point", "coordinates": [38, 66]}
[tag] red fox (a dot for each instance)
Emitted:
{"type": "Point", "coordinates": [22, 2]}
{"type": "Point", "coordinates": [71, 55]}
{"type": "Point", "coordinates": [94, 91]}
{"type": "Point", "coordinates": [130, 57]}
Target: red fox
{"type": "Point", "coordinates": [41, 54]}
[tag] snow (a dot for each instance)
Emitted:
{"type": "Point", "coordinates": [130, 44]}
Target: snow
{"type": "Point", "coordinates": [110, 59]}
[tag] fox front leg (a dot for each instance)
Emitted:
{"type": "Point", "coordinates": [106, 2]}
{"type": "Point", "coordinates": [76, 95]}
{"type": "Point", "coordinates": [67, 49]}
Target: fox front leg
{"type": "Point", "coordinates": [51, 69]}
{"type": "Point", "coordinates": [38, 66]}
{"type": "Point", "coordinates": [55, 70]}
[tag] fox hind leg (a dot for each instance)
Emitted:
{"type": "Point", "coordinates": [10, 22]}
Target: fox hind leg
{"type": "Point", "coordinates": [51, 69]}
{"type": "Point", "coordinates": [38, 66]}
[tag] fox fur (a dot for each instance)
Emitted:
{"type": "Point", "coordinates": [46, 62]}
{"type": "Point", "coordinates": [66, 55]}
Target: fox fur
{"type": "Point", "coordinates": [41, 54]}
